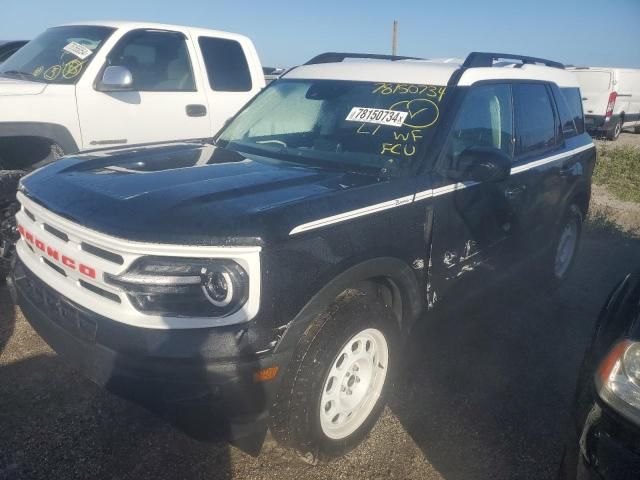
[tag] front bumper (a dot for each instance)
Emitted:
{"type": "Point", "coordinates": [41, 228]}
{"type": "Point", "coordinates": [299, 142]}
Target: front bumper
{"type": "Point", "coordinates": [609, 448]}
{"type": "Point", "coordinates": [173, 373]}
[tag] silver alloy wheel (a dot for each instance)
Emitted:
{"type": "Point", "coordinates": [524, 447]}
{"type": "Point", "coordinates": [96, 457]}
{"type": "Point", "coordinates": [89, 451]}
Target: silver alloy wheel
{"type": "Point", "coordinates": [354, 383]}
{"type": "Point", "coordinates": [566, 248]}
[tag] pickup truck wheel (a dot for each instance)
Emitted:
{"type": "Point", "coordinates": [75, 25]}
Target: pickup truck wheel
{"type": "Point", "coordinates": [334, 389]}
{"type": "Point", "coordinates": [566, 243]}
{"type": "Point", "coordinates": [8, 207]}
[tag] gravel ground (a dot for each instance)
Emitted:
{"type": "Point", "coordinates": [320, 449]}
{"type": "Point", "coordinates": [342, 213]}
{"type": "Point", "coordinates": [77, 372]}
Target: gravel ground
{"type": "Point", "coordinates": [485, 394]}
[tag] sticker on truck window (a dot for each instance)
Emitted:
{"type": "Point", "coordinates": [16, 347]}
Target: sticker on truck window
{"type": "Point", "coordinates": [378, 116]}
{"type": "Point", "coordinates": [78, 50]}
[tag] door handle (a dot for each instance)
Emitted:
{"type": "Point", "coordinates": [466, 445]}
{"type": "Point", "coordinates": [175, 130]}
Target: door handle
{"type": "Point", "coordinates": [514, 192]}
{"type": "Point", "coordinates": [574, 170]}
{"type": "Point", "coordinates": [196, 110]}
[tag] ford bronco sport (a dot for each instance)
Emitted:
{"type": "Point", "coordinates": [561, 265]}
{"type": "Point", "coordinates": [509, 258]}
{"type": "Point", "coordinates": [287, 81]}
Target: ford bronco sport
{"type": "Point", "coordinates": [273, 273]}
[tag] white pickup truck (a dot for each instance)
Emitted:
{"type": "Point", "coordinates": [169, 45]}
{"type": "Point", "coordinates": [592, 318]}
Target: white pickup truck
{"type": "Point", "coordinates": [95, 84]}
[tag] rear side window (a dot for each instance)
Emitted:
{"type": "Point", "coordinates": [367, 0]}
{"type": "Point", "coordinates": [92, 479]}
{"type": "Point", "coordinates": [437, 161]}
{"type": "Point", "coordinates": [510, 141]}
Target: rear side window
{"type": "Point", "coordinates": [535, 120]}
{"type": "Point", "coordinates": [574, 101]}
{"type": "Point", "coordinates": [226, 65]}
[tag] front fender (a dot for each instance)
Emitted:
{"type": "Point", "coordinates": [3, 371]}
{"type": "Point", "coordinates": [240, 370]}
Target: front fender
{"type": "Point", "coordinates": [400, 274]}
{"type": "Point", "coordinates": [56, 133]}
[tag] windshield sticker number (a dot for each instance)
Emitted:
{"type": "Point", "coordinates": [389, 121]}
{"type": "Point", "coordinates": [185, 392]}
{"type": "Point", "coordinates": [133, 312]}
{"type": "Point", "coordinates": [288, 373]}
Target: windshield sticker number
{"type": "Point", "coordinates": [430, 91]}
{"type": "Point", "coordinates": [78, 50]}
{"type": "Point", "coordinates": [378, 116]}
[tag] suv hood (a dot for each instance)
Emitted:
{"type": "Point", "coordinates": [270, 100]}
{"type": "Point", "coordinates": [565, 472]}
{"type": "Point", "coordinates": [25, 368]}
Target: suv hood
{"type": "Point", "coordinates": [14, 86]}
{"type": "Point", "coordinates": [188, 193]}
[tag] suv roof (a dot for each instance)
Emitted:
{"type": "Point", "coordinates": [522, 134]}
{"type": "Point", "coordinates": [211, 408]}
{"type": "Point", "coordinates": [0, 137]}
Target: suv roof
{"type": "Point", "coordinates": [478, 66]}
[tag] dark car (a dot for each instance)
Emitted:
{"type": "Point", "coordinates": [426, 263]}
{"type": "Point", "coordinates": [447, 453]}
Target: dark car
{"type": "Point", "coordinates": [8, 48]}
{"type": "Point", "coordinates": [604, 441]}
{"type": "Point", "coordinates": [274, 273]}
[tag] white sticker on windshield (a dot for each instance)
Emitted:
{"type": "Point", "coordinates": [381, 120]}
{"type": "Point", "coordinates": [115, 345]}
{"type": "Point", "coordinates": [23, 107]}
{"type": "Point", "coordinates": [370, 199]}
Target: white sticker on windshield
{"type": "Point", "coordinates": [379, 116]}
{"type": "Point", "coordinates": [78, 50]}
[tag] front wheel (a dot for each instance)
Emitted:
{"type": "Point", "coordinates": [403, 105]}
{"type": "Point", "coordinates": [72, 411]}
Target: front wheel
{"type": "Point", "coordinates": [335, 387]}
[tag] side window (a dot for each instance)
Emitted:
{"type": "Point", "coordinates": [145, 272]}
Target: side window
{"type": "Point", "coordinates": [158, 61]}
{"type": "Point", "coordinates": [485, 119]}
{"type": "Point", "coordinates": [574, 100]}
{"type": "Point", "coordinates": [566, 116]}
{"type": "Point", "coordinates": [226, 65]}
{"type": "Point", "coordinates": [535, 119]}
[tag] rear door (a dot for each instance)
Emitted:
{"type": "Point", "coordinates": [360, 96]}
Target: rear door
{"type": "Point", "coordinates": [539, 165]}
{"type": "Point", "coordinates": [229, 82]}
{"type": "Point", "coordinates": [595, 85]}
{"type": "Point", "coordinates": [167, 101]}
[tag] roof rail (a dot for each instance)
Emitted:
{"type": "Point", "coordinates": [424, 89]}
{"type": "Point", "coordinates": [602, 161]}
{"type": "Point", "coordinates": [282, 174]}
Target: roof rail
{"type": "Point", "coordinates": [485, 59]}
{"type": "Point", "coordinates": [334, 57]}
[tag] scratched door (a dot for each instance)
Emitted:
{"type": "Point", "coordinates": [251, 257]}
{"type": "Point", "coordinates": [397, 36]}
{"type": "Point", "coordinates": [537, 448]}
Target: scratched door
{"type": "Point", "coordinates": [472, 224]}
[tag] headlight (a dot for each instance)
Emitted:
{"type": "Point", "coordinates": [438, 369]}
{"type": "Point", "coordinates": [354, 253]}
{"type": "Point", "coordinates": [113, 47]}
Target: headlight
{"type": "Point", "coordinates": [184, 287]}
{"type": "Point", "coordinates": [618, 380]}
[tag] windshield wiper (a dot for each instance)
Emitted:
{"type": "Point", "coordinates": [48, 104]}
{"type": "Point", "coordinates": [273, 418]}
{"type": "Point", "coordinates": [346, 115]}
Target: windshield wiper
{"type": "Point", "coordinates": [23, 75]}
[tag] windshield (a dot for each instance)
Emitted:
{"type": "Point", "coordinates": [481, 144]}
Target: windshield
{"type": "Point", "coordinates": [353, 125]}
{"type": "Point", "coordinates": [59, 55]}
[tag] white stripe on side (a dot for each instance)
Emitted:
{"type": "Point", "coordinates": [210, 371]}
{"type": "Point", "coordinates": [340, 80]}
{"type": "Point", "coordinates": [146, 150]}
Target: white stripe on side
{"type": "Point", "coordinates": [379, 207]}
{"type": "Point", "coordinates": [432, 192]}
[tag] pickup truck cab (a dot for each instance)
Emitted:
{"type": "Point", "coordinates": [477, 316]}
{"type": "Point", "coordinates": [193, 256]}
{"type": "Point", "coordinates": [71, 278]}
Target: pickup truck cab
{"type": "Point", "coordinates": [85, 86]}
{"type": "Point", "coordinates": [273, 274]}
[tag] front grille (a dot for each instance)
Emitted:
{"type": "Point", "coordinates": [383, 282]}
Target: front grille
{"type": "Point", "coordinates": [61, 311]}
{"type": "Point", "coordinates": [57, 246]}
{"type": "Point", "coordinates": [104, 254]}
{"type": "Point", "coordinates": [53, 231]}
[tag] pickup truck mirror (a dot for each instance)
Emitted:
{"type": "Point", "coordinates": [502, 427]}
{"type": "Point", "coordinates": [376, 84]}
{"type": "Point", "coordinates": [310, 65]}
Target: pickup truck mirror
{"type": "Point", "coordinates": [115, 79]}
{"type": "Point", "coordinates": [484, 164]}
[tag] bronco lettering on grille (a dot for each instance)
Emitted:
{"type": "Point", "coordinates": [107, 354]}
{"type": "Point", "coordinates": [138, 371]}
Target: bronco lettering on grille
{"type": "Point", "coordinates": [54, 254]}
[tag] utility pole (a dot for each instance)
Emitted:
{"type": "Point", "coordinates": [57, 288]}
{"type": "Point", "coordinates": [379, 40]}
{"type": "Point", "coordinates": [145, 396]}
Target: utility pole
{"type": "Point", "coordinates": [394, 41]}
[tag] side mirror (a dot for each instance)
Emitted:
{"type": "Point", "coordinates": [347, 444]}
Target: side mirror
{"type": "Point", "coordinates": [115, 79]}
{"type": "Point", "coordinates": [485, 164]}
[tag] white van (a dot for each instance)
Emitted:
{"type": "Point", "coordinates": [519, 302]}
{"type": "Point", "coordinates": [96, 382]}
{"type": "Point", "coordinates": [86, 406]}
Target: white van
{"type": "Point", "coordinates": [610, 98]}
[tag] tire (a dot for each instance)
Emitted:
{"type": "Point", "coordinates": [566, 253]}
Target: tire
{"type": "Point", "coordinates": [55, 153]}
{"type": "Point", "coordinates": [636, 129]}
{"type": "Point", "coordinates": [562, 255]}
{"type": "Point", "coordinates": [325, 380]}
{"type": "Point", "coordinates": [8, 207]}
{"type": "Point", "coordinates": [614, 133]}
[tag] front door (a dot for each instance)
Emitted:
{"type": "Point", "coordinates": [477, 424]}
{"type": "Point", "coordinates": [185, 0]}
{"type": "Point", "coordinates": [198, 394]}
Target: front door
{"type": "Point", "coordinates": [166, 102]}
{"type": "Point", "coordinates": [473, 224]}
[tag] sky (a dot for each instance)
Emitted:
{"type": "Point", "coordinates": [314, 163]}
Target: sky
{"type": "Point", "coordinates": [286, 33]}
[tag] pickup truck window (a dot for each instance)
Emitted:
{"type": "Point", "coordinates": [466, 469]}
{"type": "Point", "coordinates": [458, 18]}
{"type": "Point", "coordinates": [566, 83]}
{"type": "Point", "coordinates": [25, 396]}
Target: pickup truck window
{"type": "Point", "coordinates": [535, 120]}
{"type": "Point", "coordinates": [484, 120]}
{"type": "Point", "coordinates": [158, 61]}
{"type": "Point", "coordinates": [344, 124]}
{"type": "Point", "coordinates": [226, 64]}
{"type": "Point", "coordinates": [59, 55]}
